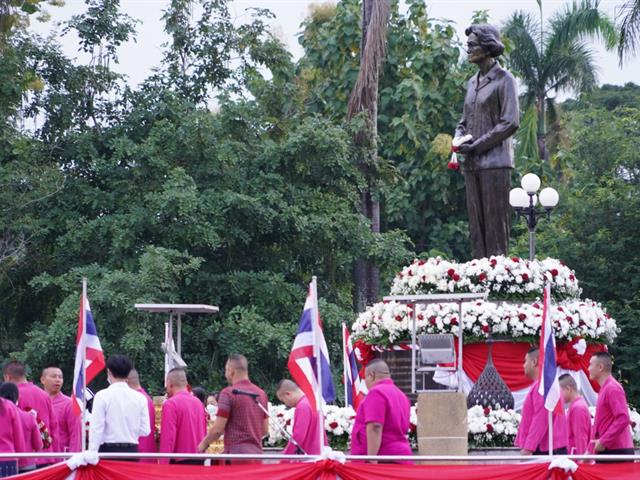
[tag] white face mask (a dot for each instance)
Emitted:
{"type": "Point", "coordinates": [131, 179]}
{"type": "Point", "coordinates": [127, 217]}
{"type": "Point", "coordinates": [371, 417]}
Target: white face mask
{"type": "Point", "coordinates": [212, 410]}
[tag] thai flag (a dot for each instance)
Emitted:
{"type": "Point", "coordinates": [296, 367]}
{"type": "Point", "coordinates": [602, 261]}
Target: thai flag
{"type": "Point", "coordinates": [88, 349]}
{"type": "Point", "coordinates": [354, 387]}
{"type": "Point", "coordinates": [549, 386]}
{"type": "Point", "coordinates": [310, 350]}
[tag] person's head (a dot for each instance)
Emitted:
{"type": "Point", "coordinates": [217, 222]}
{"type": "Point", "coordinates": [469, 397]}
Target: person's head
{"type": "Point", "coordinates": [600, 367]}
{"type": "Point", "coordinates": [14, 372]}
{"type": "Point", "coordinates": [52, 380]}
{"type": "Point", "coordinates": [530, 365]}
{"type": "Point", "coordinates": [212, 399]}
{"type": "Point", "coordinates": [9, 391]}
{"type": "Point", "coordinates": [176, 381]}
{"type": "Point", "coordinates": [568, 387]}
{"type": "Point", "coordinates": [236, 369]}
{"type": "Point", "coordinates": [483, 41]}
{"type": "Point", "coordinates": [133, 379]}
{"type": "Point", "coordinates": [201, 394]}
{"type": "Point", "coordinates": [289, 393]}
{"type": "Point", "coordinates": [118, 367]}
{"type": "Point", "coordinates": [375, 371]}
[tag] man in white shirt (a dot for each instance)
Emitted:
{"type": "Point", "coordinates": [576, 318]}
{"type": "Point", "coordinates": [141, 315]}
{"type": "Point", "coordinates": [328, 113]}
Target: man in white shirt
{"type": "Point", "coordinates": [120, 415]}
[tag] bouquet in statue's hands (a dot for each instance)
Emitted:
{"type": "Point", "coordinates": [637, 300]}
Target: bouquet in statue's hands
{"type": "Point", "coordinates": [455, 146]}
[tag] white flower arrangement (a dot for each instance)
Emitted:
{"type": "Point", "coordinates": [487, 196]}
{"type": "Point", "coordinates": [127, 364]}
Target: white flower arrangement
{"type": "Point", "coordinates": [514, 308]}
{"type": "Point", "coordinates": [503, 277]}
{"type": "Point", "coordinates": [390, 323]}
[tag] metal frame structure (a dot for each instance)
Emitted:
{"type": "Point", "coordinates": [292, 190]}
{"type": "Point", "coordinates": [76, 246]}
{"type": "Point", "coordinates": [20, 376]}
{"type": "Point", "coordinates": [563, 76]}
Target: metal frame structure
{"type": "Point", "coordinates": [458, 298]}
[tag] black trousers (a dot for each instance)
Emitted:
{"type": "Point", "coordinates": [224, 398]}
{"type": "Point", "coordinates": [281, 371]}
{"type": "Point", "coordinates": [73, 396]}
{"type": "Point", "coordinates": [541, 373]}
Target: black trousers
{"type": "Point", "coordinates": [617, 451]}
{"type": "Point", "coordinates": [556, 451]}
{"type": "Point", "coordinates": [489, 210]}
{"type": "Point", "coordinates": [191, 461]}
{"type": "Point", "coordinates": [8, 468]}
{"type": "Point", "coordinates": [120, 448]}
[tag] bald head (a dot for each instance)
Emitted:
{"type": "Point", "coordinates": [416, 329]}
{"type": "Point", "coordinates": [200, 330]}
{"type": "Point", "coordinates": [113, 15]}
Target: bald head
{"type": "Point", "coordinates": [287, 386]}
{"type": "Point", "coordinates": [239, 362]}
{"type": "Point", "coordinates": [567, 381]}
{"type": "Point", "coordinates": [600, 367]}
{"type": "Point", "coordinates": [177, 377]}
{"type": "Point", "coordinates": [379, 367]}
{"type": "Point", "coordinates": [289, 393]}
{"type": "Point", "coordinates": [133, 379]}
{"type": "Point", "coordinates": [604, 359]}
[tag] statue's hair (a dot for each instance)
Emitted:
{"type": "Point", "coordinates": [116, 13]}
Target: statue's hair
{"type": "Point", "coordinates": [489, 38]}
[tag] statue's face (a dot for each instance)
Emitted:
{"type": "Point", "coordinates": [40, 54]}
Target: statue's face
{"type": "Point", "coordinates": [475, 52]}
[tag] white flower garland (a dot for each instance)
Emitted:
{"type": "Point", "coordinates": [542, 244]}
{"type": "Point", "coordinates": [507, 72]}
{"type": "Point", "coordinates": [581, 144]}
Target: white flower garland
{"type": "Point", "coordinates": [386, 323]}
{"type": "Point", "coordinates": [502, 277]}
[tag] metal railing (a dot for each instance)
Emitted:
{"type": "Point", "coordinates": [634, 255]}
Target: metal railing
{"type": "Point", "coordinates": [302, 458]}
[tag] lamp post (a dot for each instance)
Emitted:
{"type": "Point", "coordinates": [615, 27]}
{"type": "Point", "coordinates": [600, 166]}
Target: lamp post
{"type": "Point", "coordinates": [524, 201]}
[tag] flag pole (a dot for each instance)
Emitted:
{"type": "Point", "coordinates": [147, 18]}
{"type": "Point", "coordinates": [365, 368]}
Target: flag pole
{"type": "Point", "coordinates": [316, 354]}
{"type": "Point", "coordinates": [550, 433]}
{"type": "Point", "coordinates": [83, 343]}
{"type": "Point", "coordinates": [344, 365]}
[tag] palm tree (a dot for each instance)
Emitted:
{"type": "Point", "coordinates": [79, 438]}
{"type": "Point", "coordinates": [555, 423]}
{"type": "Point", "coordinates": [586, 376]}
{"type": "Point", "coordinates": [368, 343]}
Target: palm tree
{"type": "Point", "coordinates": [364, 99]}
{"type": "Point", "coordinates": [552, 58]}
{"type": "Point", "coordinates": [629, 29]}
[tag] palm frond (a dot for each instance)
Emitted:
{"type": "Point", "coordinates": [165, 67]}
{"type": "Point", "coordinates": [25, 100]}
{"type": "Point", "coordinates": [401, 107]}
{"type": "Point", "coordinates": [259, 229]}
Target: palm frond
{"type": "Point", "coordinates": [572, 67]}
{"type": "Point", "coordinates": [578, 22]}
{"type": "Point", "coordinates": [527, 136]}
{"type": "Point", "coordinates": [524, 60]}
{"type": "Point", "coordinates": [629, 29]}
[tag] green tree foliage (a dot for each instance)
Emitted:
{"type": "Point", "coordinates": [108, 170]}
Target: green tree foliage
{"type": "Point", "coordinates": [160, 199]}
{"type": "Point", "coordinates": [420, 95]}
{"type": "Point", "coordinates": [595, 228]}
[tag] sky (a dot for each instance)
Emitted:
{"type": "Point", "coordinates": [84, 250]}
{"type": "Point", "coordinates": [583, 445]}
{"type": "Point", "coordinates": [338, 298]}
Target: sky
{"type": "Point", "coordinates": [137, 59]}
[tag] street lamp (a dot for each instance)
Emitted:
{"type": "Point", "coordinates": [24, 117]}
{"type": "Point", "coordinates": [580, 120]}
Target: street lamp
{"type": "Point", "coordinates": [524, 201]}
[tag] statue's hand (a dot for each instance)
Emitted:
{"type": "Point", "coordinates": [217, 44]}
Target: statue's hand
{"type": "Point", "coordinates": [466, 148]}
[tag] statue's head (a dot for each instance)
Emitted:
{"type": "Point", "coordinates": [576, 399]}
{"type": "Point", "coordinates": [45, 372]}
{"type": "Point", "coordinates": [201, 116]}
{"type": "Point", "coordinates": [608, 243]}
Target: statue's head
{"type": "Point", "coordinates": [483, 41]}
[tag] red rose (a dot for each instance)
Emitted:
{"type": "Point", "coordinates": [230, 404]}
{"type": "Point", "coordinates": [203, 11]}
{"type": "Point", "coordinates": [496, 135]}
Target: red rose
{"type": "Point", "coordinates": [454, 321]}
{"type": "Point", "coordinates": [410, 273]}
{"type": "Point", "coordinates": [453, 166]}
{"type": "Point", "coordinates": [456, 277]}
{"type": "Point", "coordinates": [421, 262]}
{"type": "Point", "coordinates": [288, 422]}
{"type": "Point", "coordinates": [333, 425]}
{"type": "Point", "coordinates": [572, 277]}
{"type": "Point", "coordinates": [487, 411]}
{"type": "Point", "coordinates": [489, 428]}
{"type": "Point", "coordinates": [432, 320]}
{"type": "Point", "coordinates": [525, 277]}
{"type": "Point", "coordinates": [420, 316]}
{"type": "Point", "coordinates": [482, 277]}
{"type": "Point", "coordinates": [451, 272]}
{"type": "Point", "coordinates": [560, 309]}
{"type": "Point", "coordinates": [280, 415]}
{"type": "Point", "coordinates": [412, 428]}
{"type": "Point", "coordinates": [398, 318]}
{"type": "Point", "coordinates": [515, 259]}
{"type": "Point", "coordinates": [554, 272]}
{"type": "Point", "coordinates": [522, 317]}
{"type": "Point", "coordinates": [493, 262]}
{"type": "Point", "coordinates": [485, 328]}
{"type": "Point", "coordinates": [569, 318]}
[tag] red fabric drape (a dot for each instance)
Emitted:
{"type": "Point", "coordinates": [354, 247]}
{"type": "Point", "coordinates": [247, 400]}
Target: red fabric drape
{"type": "Point", "coordinates": [567, 357]}
{"type": "Point", "coordinates": [508, 358]}
{"type": "Point", "coordinates": [329, 470]}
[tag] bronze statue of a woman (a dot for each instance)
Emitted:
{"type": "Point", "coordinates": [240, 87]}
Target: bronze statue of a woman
{"type": "Point", "coordinates": [491, 117]}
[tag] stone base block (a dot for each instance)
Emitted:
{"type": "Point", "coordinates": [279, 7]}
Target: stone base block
{"type": "Point", "coordinates": [442, 423]}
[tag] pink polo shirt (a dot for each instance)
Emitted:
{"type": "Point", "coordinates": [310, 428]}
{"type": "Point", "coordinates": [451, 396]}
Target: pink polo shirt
{"type": "Point", "coordinates": [579, 422]}
{"type": "Point", "coordinates": [306, 429]}
{"type": "Point", "coordinates": [612, 424]}
{"type": "Point", "coordinates": [533, 433]}
{"type": "Point", "coordinates": [147, 444]}
{"type": "Point", "coordinates": [385, 404]}
{"type": "Point", "coordinates": [31, 435]}
{"type": "Point", "coordinates": [183, 424]}
{"type": "Point", "coordinates": [37, 399]}
{"type": "Point", "coordinates": [68, 424]}
{"type": "Point", "coordinates": [11, 431]}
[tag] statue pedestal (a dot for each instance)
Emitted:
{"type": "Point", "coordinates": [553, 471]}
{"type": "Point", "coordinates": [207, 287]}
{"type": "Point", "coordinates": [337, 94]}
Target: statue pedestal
{"type": "Point", "coordinates": [442, 423]}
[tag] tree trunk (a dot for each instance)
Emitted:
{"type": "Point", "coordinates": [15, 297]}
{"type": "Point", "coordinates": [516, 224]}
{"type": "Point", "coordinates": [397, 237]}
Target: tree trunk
{"type": "Point", "coordinates": [364, 98]}
{"type": "Point", "coordinates": [542, 134]}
